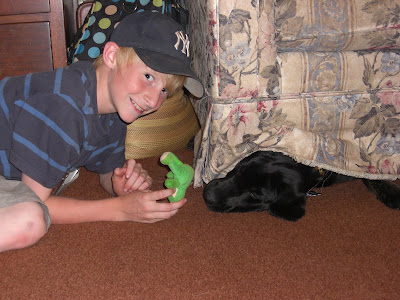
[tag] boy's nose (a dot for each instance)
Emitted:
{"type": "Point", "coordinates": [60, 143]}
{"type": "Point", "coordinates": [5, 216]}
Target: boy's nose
{"type": "Point", "coordinates": [153, 97]}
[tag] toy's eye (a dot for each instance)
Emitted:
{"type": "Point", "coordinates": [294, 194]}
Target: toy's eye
{"type": "Point", "coordinates": [164, 90]}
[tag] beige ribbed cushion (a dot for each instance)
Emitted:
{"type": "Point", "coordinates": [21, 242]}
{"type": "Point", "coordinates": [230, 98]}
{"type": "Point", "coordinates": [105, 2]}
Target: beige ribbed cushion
{"type": "Point", "coordinates": [168, 129]}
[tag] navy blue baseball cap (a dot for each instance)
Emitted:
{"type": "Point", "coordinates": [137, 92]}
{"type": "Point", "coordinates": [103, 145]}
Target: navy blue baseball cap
{"type": "Point", "coordinates": [161, 43]}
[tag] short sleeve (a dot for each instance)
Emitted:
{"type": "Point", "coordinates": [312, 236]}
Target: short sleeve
{"type": "Point", "coordinates": [47, 137]}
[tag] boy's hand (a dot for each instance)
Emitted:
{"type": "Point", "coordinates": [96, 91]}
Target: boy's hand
{"type": "Point", "coordinates": [130, 177]}
{"type": "Point", "coordinates": [142, 206]}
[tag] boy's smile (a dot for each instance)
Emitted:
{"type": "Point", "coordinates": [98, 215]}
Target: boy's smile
{"type": "Point", "coordinates": [137, 107]}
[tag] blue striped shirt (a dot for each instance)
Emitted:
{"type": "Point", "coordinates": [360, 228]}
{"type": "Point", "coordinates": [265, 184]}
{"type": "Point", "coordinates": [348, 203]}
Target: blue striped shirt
{"type": "Point", "coordinates": [49, 124]}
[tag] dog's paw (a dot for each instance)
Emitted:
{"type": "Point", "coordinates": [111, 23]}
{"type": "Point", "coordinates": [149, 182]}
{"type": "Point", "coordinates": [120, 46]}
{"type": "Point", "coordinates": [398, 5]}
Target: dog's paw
{"type": "Point", "coordinates": [386, 191]}
{"type": "Point", "coordinates": [292, 211]}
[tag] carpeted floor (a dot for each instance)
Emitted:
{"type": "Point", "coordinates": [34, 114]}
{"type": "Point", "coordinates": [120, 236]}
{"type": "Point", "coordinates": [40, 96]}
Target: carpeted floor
{"type": "Point", "coordinates": [346, 247]}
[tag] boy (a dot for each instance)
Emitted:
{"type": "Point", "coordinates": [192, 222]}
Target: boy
{"type": "Point", "coordinates": [54, 122]}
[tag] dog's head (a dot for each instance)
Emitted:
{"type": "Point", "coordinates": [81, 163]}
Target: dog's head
{"type": "Point", "coordinates": [229, 195]}
{"type": "Point", "coordinates": [263, 181]}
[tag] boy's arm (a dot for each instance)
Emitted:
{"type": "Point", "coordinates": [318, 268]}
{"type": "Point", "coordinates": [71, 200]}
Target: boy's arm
{"type": "Point", "coordinates": [139, 206]}
{"type": "Point", "coordinates": [69, 210]}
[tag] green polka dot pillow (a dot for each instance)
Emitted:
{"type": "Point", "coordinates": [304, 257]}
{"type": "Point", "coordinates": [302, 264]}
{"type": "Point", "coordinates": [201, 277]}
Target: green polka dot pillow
{"type": "Point", "coordinates": [90, 39]}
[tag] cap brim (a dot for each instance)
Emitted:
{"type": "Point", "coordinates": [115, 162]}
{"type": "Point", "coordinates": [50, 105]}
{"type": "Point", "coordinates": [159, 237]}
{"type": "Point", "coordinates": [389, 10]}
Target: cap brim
{"type": "Point", "coordinates": [171, 65]}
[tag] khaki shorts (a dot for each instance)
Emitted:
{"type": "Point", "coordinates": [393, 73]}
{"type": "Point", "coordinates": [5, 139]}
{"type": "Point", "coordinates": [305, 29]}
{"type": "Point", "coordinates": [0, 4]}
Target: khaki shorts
{"type": "Point", "coordinates": [13, 192]}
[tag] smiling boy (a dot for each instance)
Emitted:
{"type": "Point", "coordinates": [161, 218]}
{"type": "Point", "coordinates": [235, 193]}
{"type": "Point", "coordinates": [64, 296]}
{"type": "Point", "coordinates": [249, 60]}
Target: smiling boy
{"type": "Point", "coordinates": [57, 121]}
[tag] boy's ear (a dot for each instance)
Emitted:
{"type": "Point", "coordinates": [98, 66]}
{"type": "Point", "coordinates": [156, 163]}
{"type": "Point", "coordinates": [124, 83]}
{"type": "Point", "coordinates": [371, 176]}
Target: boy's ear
{"type": "Point", "coordinates": [109, 54]}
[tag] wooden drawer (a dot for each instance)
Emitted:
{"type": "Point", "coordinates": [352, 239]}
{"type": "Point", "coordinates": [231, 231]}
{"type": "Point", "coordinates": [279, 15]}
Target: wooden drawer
{"type": "Point", "coordinates": [31, 53]}
{"type": "Point", "coordinates": [32, 36]}
{"type": "Point", "coordinates": [17, 7]}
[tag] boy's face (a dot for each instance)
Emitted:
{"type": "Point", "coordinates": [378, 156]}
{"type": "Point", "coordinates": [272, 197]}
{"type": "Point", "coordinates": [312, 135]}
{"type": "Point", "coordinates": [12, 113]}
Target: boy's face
{"type": "Point", "coordinates": [136, 90]}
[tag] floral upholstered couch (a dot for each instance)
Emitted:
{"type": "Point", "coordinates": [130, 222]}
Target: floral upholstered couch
{"type": "Point", "coordinates": [318, 80]}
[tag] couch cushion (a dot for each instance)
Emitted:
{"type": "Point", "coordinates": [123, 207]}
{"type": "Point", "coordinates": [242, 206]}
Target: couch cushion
{"type": "Point", "coordinates": [332, 25]}
{"type": "Point", "coordinates": [342, 71]}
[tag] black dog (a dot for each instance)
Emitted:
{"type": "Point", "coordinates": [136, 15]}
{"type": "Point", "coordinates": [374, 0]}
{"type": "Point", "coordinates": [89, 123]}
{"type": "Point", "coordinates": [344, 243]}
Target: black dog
{"type": "Point", "coordinates": [275, 182]}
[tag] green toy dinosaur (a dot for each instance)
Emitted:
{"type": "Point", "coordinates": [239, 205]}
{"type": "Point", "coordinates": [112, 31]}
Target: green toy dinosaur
{"type": "Point", "coordinates": [180, 176]}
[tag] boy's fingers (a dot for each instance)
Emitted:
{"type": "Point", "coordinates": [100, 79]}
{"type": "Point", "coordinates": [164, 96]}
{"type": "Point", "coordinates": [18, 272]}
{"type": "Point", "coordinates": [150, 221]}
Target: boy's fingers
{"type": "Point", "coordinates": [119, 171]}
{"type": "Point", "coordinates": [154, 195]}
{"type": "Point", "coordinates": [133, 168]}
{"type": "Point", "coordinates": [135, 182]}
{"type": "Point", "coordinates": [145, 185]}
{"type": "Point", "coordinates": [179, 204]}
{"type": "Point", "coordinates": [151, 209]}
{"type": "Point", "coordinates": [159, 216]}
{"type": "Point", "coordinates": [172, 206]}
{"type": "Point", "coordinates": [161, 194]}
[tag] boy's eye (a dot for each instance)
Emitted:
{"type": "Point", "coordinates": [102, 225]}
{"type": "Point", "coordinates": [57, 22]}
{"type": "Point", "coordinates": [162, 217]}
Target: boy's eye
{"type": "Point", "coordinates": [149, 77]}
{"type": "Point", "coordinates": [164, 90]}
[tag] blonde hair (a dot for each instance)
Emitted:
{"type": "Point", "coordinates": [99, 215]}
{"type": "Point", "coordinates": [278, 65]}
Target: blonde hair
{"type": "Point", "coordinates": [126, 56]}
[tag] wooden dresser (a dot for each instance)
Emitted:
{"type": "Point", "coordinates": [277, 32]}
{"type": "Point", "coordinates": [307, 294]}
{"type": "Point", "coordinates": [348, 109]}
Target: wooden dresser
{"type": "Point", "coordinates": [32, 36]}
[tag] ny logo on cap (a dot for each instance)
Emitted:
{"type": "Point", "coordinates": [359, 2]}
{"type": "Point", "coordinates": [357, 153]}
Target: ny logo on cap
{"type": "Point", "coordinates": [185, 42]}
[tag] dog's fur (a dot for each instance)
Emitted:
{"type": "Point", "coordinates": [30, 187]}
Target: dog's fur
{"type": "Point", "coordinates": [275, 182]}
